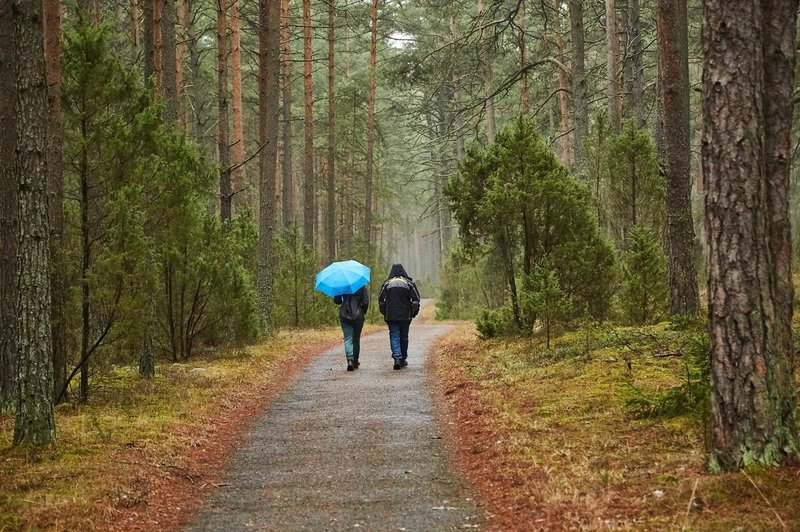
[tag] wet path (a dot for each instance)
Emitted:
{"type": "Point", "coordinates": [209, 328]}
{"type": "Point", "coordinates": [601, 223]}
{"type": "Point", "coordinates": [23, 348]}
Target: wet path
{"type": "Point", "coordinates": [346, 450]}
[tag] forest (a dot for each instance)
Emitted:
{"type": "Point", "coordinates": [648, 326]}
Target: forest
{"type": "Point", "coordinates": [570, 181]}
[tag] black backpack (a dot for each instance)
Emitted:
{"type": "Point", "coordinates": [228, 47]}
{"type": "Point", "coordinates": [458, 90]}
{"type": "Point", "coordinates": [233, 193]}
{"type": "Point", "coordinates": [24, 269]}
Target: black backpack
{"type": "Point", "coordinates": [350, 310]}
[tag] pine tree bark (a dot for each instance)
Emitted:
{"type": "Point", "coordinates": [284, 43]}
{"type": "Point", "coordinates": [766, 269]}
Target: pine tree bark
{"type": "Point", "coordinates": [745, 134]}
{"type": "Point", "coordinates": [287, 186]}
{"type": "Point", "coordinates": [331, 211]}
{"type": "Point", "coordinates": [180, 72]}
{"type": "Point", "coordinates": [371, 94]}
{"type": "Point", "coordinates": [269, 111]}
{"type": "Point", "coordinates": [223, 135]}
{"type": "Point", "coordinates": [136, 40]}
{"type": "Point", "coordinates": [523, 60]}
{"type": "Point", "coordinates": [580, 103]}
{"type": "Point", "coordinates": [169, 62]}
{"type": "Point", "coordinates": [52, 13]}
{"type": "Point", "coordinates": [158, 65]}
{"type": "Point", "coordinates": [673, 83]}
{"type": "Point", "coordinates": [148, 42]}
{"type": "Point", "coordinates": [488, 75]}
{"type": "Point", "coordinates": [612, 63]}
{"type": "Point", "coordinates": [239, 175]}
{"type": "Point", "coordinates": [8, 216]}
{"type": "Point", "coordinates": [35, 424]}
{"type": "Point", "coordinates": [309, 213]}
{"type": "Point", "coordinates": [563, 91]}
{"type": "Point", "coordinates": [635, 105]}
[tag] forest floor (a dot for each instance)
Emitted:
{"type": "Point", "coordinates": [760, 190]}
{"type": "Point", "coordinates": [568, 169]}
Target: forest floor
{"type": "Point", "coordinates": [553, 439]}
{"type": "Point", "coordinates": [547, 438]}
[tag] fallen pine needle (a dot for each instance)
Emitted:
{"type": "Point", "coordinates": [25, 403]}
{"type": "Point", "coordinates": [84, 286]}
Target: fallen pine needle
{"type": "Point", "coordinates": [689, 506]}
{"type": "Point", "coordinates": [783, 525]}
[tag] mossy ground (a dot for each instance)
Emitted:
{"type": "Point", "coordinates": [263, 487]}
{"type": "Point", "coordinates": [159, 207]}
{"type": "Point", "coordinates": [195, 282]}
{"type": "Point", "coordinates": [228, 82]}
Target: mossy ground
{"type": "Point", "coordinates": [548, 440]}
{"type": "Point", "coordinates": [135, 435]}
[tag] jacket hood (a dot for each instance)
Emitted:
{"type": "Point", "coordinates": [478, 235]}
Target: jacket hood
{"type": "Point", "coordinates": [398, 271]}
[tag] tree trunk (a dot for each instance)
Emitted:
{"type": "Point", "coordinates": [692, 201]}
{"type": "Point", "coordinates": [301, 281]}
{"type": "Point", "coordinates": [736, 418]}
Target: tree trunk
{"type": "Point", "coordinates": [780, 39]}
{"type": "Point", "coordinates": [148, 43]}
{"type": "Point", "coordinates": [523, 60]}
{"type": "Point", "coordinates": [35, 424]}
{"type": "Point", "coordinates": [52, 13]}
{"type": "Point", "coordinates": [169, 62]}
{"type": "Point", "coordinates": [635, 105]}
{"type": "Point", "coordinates": [612, 62]}
{"type": "Point", "coordinates": [308, 103]}
{"type": "Point", "coordinates": [239, 176]}
{"type": "Point", "coordinates": [136, 43]}
{"type": "Point", "coordinates": [371, 93]}
{"type": "Point", "coordinates": [180, 75]}
{"type": "Point", "coordinates": [223, 142]}
{"type": "Point", "coordinates": [157, 57]}
{"type": "Point", "coordinates": [746, 49]}
{"type": "Point", "coordinates": [287, 188]}
{"type": "Point", "coordinates": [673, 63]}
{"type": "Point", "coordinates": [580, 104]}
{"type": "Point", "coordinates": [331, 130]}
{"type": "Point", "coordinates": [563, 92]}
{"type": "Point", "coordinates": [269, 110]}
{"type": "Point", "coordinates": [8, 216]}
{"type": "Point", "coordinates": [487, 74]}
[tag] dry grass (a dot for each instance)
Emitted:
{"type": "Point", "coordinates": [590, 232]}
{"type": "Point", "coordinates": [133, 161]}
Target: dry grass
{"type": "Point", "coordinates": [550, 444]}
{"type": "Point", "coordinates": [116, 455]}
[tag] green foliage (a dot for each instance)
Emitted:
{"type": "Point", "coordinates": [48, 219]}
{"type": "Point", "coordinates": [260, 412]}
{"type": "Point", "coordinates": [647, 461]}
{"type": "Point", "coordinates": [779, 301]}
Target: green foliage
{"type": "Point", "coordinates": [139, 237]}
{"type": "Point", "coordinates": [515, 200]}
{"type": "Point", "coordinates": [691, 397]}
{"type": "Point", "coordinates": [468, 287]}
{"type": "Point", "coordinates": [544, 299]}
{"type": "Point", "coordinates": [492, 323]}
{"type": "Point", "coordinates": [645, 292]}
{"type": "Point", "coordinates": [636, 188]}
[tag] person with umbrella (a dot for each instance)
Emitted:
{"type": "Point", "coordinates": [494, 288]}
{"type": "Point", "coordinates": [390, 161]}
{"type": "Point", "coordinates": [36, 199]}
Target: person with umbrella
{"type": "Point", "coordinates": [398, 301]}
{"type": "Point", "coordinates": [346, 282]}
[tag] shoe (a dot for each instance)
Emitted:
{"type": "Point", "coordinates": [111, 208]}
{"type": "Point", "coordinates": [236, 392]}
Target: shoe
{"type": "Point", "coordinates": [356, 364]}
{"type": "Point", "coordinates": [403, 363]}
{"type": "Point", "coordinates": [350, 366]}
{"type": "Point", "coordinates": [397, 365]}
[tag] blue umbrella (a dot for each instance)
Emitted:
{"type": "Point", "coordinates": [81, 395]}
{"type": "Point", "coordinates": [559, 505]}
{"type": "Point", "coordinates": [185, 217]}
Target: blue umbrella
{"type": "Point", "coordinates": [343, 277]}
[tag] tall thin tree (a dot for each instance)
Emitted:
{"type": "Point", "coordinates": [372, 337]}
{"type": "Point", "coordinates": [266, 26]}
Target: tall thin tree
{"type": "Point", "coordinates": [580, 103]}
{"type": "Point", "coordinates": [287, 187]}
{"type": "Point", "coordinates": [331, 210]}
{"type": "Point", "coordinates": [8, 216]}
{"type": "Point", "coordinates": [269, 109]}
{"type": "Point", "coordinates": [309, 213]}
{"type": "Point", "coordinates": [35, 423]}
{"type": "Point", "coordinates": [52, 13]}
{"type": "Point", "coordinates": [237, 108]}
{"type": "Point", "coordinates": [223, 135]}
{"type": "Point", "coordinates": [371, 93]}
{"type": "Point", "coordinates": [673, 83]}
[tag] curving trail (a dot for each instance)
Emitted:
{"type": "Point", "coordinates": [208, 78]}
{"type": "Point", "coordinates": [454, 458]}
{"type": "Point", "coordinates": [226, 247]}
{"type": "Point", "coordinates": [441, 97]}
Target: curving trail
{"type": "Point", "coordinates": [346, 450]}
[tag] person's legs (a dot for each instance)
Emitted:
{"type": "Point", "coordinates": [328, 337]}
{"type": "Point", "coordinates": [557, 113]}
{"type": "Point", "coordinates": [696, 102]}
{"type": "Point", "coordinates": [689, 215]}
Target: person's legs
{"type": "Point", "coordinates": [357, 341]}
{"type": "Point", "coordinates": [404, 327]}
{"type": "Point", "coordinates": [347, 329]}
{"type": "Point", "coordinates": [394, 340]}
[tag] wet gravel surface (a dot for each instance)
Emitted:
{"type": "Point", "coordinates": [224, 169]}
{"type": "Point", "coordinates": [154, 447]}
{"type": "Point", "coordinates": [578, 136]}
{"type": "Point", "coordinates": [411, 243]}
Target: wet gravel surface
{"type": "Point", "coordinates": [347, 451]}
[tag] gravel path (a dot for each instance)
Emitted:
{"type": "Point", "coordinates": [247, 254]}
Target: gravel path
{"type": "Point", "coordinates": [346, 450]}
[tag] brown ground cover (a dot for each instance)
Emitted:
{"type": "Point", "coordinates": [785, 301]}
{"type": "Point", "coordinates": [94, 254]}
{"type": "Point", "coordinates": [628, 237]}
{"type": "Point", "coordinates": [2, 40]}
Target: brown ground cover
{"type": "Point", "coordinates": [550, 445]}
{"type": "Point", "coordinates": [143, 454]}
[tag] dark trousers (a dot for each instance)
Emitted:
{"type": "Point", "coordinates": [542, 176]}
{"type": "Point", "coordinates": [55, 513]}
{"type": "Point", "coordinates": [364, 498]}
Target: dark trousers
{"type": "Point", "coordinates": [398, 338]}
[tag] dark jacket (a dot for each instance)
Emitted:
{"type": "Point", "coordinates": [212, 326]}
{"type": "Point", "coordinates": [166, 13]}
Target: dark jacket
{"type": "Point", "coordinates": [398, 299]}
{"type": "Point", "coordinates": [353, 307]}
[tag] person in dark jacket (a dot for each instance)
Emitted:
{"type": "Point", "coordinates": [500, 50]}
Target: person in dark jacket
{"type": "Point", "coordinates": [399, 303]}
{"type": "Point", "coordinates": [352, 311]}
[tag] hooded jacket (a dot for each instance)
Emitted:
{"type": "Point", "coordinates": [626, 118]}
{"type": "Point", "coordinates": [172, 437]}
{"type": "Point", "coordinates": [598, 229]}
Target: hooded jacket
{"type": "Point", "coordinates": [399, 298]}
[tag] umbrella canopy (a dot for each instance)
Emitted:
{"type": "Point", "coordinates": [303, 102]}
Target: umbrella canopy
{"type": "Point", "coordinates": [343, 277]}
